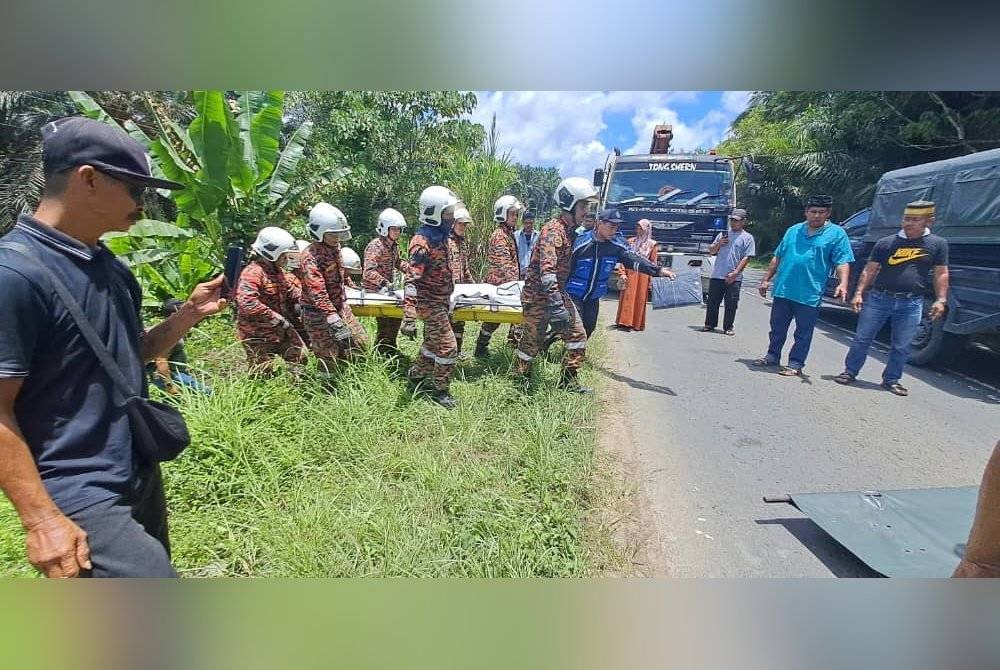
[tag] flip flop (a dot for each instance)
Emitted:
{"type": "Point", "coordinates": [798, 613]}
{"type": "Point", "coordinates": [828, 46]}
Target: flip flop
{"type": "Point", "coordinates": [789, 372]}
{"type": "Point", "coordinates": [763, 362]}
{"type": "Point", "coordinates": [896, 388]}
{"type": "Point", "coordinates": [844, 378]}
{"type": "Point", "coordinates": [730, 332]}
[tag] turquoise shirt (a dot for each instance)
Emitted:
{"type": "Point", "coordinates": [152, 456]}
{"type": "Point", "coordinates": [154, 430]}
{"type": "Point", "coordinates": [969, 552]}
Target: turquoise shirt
{"type": "Point", "coordinates": [805, 261]}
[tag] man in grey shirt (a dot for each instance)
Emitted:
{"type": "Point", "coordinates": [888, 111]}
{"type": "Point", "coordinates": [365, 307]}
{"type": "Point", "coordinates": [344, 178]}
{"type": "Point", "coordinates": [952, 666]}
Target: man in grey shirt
{"type": "Point", "coordinates": [732, 251]}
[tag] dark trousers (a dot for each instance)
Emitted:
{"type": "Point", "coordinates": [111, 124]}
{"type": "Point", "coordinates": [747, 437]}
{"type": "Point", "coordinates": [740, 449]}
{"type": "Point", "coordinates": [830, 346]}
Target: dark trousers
{"type": "Point", "coordinates": [782, 313]}
{"type": "Point", "coordinates": [588, 313]}
{"type": "Point", "coordinates": [128, 536]}
{"type": "Point", "coordinates": [719, 290]}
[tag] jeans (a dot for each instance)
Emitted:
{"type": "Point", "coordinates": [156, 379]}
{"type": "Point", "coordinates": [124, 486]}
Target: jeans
{"type": "Point", "coordinates": [782, 313]}
{"type": "Point", "coordinates": [878, 308]}
{"type": "Point", "coordinates": [718, 290]}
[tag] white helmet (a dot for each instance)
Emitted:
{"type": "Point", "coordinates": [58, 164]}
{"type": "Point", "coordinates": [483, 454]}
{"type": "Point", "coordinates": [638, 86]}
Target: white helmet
{"type": "Point", "coordinates": [433, 201]}
{"type": "Point", "coordinates": [272, 241]}
{"type": "Point", "coordinates": [503, 204]}
{"type": "Point", "coordinates": [389, 218]}
{"type": "Point", "coordinates": [349, 257]}
{"type": "Point", "coordinates": [325, 218]}
{"type": "Point", "coordinates": [572, 190]}
{"type": "Point", "coordinates": [462, 214]}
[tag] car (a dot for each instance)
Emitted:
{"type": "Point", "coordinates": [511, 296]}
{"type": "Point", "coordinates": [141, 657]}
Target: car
{"type": "Point", "coordinates": [856, 227]}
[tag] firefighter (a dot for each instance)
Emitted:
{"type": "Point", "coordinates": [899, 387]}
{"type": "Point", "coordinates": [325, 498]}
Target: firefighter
{"type": "Point", "coordinates": [334, 332]}
{"type": "Point", "coordinates": [545, 300]}
{"type": "Point", "coordinates": [266, 300]}
{"type": "Point", "coordinates": [427, 294]}
{"type": "Point", "coordinates": [502, 263]}
{"type": "Point", "coordinates": [458, 257]}
{"type": "Point", "coordinates": [381, 258]}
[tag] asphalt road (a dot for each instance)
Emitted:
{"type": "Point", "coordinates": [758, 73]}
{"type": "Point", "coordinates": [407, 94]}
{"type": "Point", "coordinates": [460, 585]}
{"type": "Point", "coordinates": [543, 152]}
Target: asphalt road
{"type": "Point", "coordinates": [714, 434]}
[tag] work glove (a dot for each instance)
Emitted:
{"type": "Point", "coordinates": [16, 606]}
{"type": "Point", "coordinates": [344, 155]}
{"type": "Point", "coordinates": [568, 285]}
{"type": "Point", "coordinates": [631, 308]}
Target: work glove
{"type": "Point", "coordinates": [409, 327]}
{"type": "Point", "coordinates": [339, 329]}
{"type": "Point", "coordinates": [281, 322]}
{"type": "Point", "coordinates": [559, 318]}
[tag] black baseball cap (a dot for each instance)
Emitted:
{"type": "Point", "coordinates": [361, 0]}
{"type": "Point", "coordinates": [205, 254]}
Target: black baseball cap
{"type": "Point", "coordinates": [611, 215]}
{"type": "Point", "coordinates": [528, 216]}
{"type": "Point", "coordinates": [77, 140]}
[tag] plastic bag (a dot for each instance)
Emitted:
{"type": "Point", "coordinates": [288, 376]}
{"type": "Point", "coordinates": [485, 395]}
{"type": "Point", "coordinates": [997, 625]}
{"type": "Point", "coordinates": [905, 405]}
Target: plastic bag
{"type": "Point", "coordinates": [684, 290]}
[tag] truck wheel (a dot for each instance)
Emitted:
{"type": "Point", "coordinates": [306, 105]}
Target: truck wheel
{"type": "Point", "coordinates": [932, 345]}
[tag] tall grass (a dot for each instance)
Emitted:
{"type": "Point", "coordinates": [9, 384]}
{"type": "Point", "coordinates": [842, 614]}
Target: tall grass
{"type": "Point", "coordinates": [349, 474]}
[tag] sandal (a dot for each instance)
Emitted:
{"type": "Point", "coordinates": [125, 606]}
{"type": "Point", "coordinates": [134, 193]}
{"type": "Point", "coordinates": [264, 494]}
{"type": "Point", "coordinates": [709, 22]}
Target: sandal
{"type": "Point", "coordinates": [706, 329]}
{"type": "Point", "coordinates": [844, 378]}
{"type": "Point", "coordinates": [789, 372]}
{"type": "Point", "coordinates": [730, 332]}
{"type": "Point", "coordinates": [896, 388]}
{"type": "Point", "coordinates": [763, 362]}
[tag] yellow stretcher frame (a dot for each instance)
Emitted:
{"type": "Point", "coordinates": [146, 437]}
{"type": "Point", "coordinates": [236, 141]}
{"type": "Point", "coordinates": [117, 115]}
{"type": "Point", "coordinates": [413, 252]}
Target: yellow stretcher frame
{"type": "Point", "coordinates": [488, 314]}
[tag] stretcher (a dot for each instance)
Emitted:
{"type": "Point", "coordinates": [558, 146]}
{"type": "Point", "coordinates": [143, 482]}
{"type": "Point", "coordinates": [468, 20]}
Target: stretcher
{"type": "Point", "coordinates": [469, 302]}
{"type": "Point", "coordinates": [905, 533]}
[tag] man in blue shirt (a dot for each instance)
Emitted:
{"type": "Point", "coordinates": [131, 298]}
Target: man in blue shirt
{"type": "Point", "coordinates": [526, 239]}
{"type": "Point", "coordinates": [802, 263]}
{"type": "Point", "coordinates": [90, 504]}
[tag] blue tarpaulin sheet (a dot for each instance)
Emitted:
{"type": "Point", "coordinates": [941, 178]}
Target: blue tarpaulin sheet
{"type": "Point", "coordinates": [685, 289]}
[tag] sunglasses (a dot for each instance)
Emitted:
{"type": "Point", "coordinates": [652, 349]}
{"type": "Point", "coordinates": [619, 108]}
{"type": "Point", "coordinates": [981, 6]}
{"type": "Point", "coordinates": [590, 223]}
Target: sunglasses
{"type": "Point", "coordinates": [135, 190]}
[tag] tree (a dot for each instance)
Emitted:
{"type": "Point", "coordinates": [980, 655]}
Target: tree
{"type": "Point", "coordinates": [22, 114]}
{"type": "Point", "coordinates": [394, 142]}
{"type": "Point", "coordinates": [536, 186]}
{"type": "Point", "coordinates": [841, 142]}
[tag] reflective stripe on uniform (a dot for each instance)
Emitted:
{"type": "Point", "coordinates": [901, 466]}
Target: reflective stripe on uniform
{"type": "Point", "coordinates": [441, 360]}
{"type": "Point", "coordinates": [426, 354]}
{"type": "Point", "coordinates": [524, 357]}
{"type": "Point", "coordinates": [576, 345]}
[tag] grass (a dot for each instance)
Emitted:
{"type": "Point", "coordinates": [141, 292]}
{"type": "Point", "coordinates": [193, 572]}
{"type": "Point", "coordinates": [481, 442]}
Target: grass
{"type": "Point", "coordinates": [349, 475]}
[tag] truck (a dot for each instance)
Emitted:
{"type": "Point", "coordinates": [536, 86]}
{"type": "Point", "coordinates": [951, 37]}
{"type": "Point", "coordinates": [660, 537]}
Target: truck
{"type": "Point", "coordinates": [966, 192]}
{"type": "Point", "coordinates": [686, 197]}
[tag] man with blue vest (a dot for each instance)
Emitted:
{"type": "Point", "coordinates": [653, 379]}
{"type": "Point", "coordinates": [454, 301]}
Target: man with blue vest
{"type": "Point", "coordinates": [596, 252]}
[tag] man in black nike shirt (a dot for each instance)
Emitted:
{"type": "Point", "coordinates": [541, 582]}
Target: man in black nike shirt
{"type": "Point", "coordinates": [902, 266]}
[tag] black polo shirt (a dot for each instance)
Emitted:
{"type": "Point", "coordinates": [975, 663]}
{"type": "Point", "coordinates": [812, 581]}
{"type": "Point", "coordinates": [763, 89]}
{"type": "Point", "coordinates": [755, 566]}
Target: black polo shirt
{"type": "Point", "coordinates": [79, 437]}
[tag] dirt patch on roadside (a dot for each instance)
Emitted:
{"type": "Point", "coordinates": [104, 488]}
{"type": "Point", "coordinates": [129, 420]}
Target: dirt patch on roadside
{"type": "Point", "coordinates": [627, 517]}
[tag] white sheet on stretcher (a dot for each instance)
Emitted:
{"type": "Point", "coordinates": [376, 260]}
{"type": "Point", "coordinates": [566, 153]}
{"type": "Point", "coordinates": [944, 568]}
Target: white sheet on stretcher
{"type": "Point", "coordinates": [464, 295]}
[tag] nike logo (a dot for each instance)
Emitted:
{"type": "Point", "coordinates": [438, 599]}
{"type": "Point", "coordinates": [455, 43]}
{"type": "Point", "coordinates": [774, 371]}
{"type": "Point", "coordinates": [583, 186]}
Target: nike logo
{"type": "Point", "coordinates": [906, 255]}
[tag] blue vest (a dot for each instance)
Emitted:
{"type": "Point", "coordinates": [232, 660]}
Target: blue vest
{"type": "Point", "coordinates": [589, 274]}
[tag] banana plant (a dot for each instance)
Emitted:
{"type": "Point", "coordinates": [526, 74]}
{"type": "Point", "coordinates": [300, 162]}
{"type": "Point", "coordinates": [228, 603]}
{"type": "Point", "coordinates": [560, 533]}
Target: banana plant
{"type": "Point", "coordinates": [235, 173]}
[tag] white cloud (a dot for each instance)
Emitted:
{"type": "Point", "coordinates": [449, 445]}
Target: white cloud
{"type": "Point", "coordinates": [561, 128]}
{"type": "Point", "coordinates": [735, 102]}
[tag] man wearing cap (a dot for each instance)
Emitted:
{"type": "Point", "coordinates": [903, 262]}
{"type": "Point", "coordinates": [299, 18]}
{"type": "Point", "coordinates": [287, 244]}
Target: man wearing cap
{"type": "Point", "coordinates": [801, 265]}
{"type": "Point", "coordinates": [89, 503]}
{"type": "Point", "coordinates": [527, 238]}
{"type": "Point", "coordinates": [596, 254]}
{"type": "Point", "coordinates": [732, 251]}
{"type": "Point", "coordinates": [901, 266]}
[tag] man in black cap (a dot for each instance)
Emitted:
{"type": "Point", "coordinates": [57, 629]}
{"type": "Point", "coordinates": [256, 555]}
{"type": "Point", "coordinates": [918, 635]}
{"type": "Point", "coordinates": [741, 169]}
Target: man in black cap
{"type": "Point", "coordinates": [90, 505]}
{"type": "Point", "coordinates": [596, 253]}
{"type": "Point", "coordinates": [802, 263]}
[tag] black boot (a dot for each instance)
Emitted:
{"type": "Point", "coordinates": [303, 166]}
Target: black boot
{"type": "Point", "coordinates": [568, 381]}
{"type": "Point", "coordinates": [482, 348]}
{"type": "Point", "coordinates": [444, 399]}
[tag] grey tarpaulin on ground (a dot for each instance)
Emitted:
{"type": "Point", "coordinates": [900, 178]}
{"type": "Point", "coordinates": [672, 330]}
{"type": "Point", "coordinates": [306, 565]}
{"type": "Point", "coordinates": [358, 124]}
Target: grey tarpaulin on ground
{"type": "Point", "coordinates": [684, 290]}
{"type": "Point", "coordinates": [907, 533]}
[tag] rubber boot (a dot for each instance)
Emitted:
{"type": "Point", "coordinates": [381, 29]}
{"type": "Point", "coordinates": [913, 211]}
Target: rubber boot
{"type": "Point", "coordinates": [569, 381]}
{"type": "Point", "coordinates": [444, 399]}
{"type": "Point", "coordinates": [482, 348]}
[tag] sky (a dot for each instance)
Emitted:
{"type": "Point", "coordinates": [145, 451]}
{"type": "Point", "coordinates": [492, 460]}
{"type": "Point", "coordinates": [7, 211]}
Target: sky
{"type": "Point", "coordinates": [576, 130]}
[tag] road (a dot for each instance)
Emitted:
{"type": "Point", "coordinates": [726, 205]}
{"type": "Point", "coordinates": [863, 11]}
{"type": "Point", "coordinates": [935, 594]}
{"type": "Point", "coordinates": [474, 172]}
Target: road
{"type": "Point", "coordinates": [713, 434]}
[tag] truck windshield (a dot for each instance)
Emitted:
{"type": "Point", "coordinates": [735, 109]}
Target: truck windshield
{"type": "Point", "coordinates": [642, 185]}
